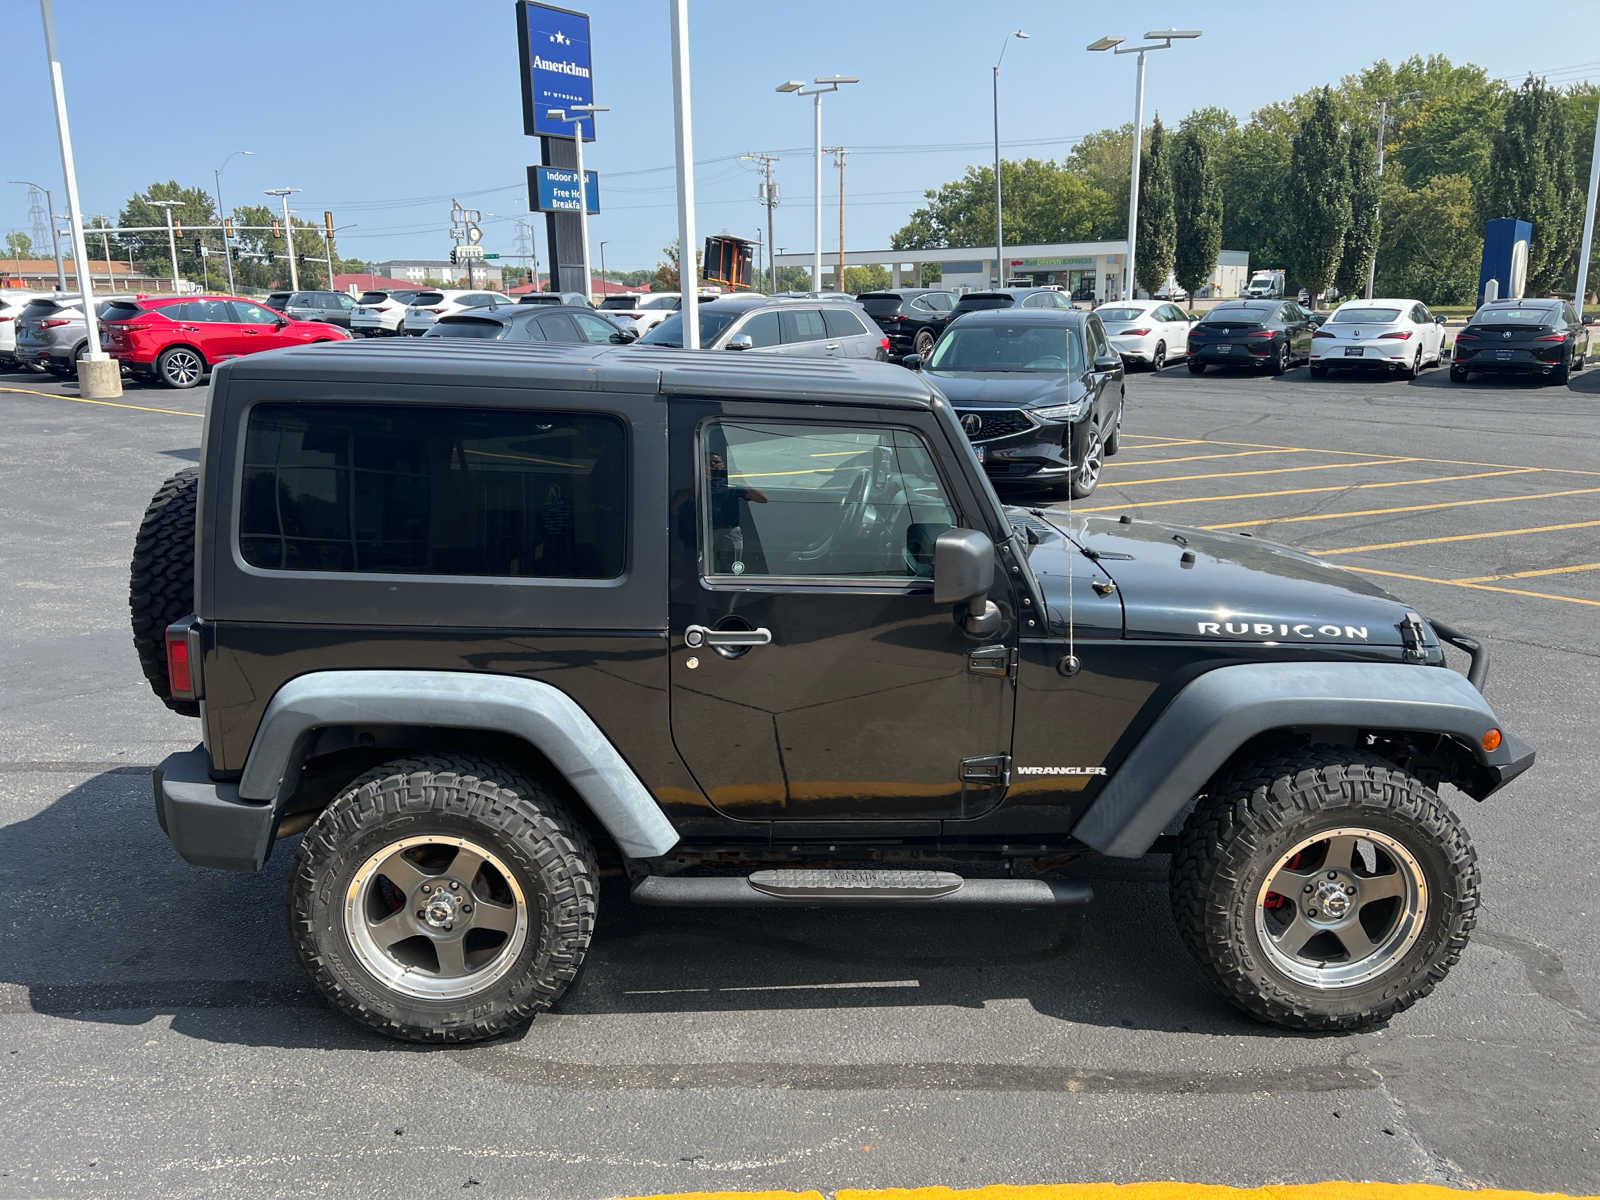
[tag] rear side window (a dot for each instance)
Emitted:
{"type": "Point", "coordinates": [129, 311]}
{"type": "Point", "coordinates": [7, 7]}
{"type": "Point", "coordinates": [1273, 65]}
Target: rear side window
{"type": "Point", "coordinates": [801, 325]}
{"type": "Point", "coordinates": [467, 327]}
{"type": "Point", "coordinates": [841, 322]}
{"type": "Point", "coordinates": [419, 490]}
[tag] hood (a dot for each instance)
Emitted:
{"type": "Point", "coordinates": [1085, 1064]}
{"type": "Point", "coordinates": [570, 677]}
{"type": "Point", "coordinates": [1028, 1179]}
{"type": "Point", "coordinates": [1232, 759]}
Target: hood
{"type": "Point", "coordinates": [1003, 389]}
{"type": "Point", "coordinates": [1236, 589]}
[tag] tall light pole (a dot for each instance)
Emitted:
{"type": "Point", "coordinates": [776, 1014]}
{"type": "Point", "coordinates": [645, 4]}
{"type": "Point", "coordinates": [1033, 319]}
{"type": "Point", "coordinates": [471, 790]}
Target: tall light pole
{"type": "Point", "coordinates": [167, 206]}
{"type": "Point", "coordinates": [1588, 222]}
{"type": "Point", "coordinates": [1155, 39]}
{"type": "Point", "coordinates": [288, 232]}
{"type": "Point", "coordinates": [227, 254]}
{"type": "Point", "coordinates": [578, 114]}
{"type": "Point", "coordinates": [55, 234]}
{"type": "Point", "coordinates": [602, 270]}
{"type": "Point", "coordinates": [999, 238]}
{"type": "Point", "coordinates": [815, 89]}
{"type": "Point", "coordinates": [683, 153]}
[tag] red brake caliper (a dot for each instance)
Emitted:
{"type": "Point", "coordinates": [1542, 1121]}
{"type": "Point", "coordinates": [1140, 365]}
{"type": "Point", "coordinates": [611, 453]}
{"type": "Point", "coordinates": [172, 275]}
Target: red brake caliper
{"type": "Point", "coordinates": [1273, 899]}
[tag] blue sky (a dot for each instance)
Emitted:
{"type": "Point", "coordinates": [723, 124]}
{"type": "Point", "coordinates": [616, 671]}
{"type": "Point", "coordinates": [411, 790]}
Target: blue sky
{"type": "Point", "coordinates": [384, 110]}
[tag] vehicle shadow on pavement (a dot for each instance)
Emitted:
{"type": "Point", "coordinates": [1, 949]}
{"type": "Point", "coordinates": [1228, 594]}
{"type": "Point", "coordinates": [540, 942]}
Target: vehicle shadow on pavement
{"type": "Point", "coordinates": [135, 935]}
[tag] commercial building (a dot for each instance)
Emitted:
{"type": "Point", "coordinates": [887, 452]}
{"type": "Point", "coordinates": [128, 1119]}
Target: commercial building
{"type": "Point", "coordinates": [39, 275]}
{"type": "Point", "coordinates": [415, 270]}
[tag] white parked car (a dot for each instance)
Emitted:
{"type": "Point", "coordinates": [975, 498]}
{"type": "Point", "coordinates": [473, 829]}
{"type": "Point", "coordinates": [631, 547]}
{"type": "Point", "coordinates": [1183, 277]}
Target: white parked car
{"type": "Point", "coordinates": [427, 307]}
{"type": "Point", "coordinates": [381, 312]}
{"type": "Point", "coordinates": [647, 310]}
{"type": "Point", "coordinates": [12, 302]}
{"type": "Point", "coordinates": [1398, 336]}
{"type": "Point", "coordinates": [1152, 332]}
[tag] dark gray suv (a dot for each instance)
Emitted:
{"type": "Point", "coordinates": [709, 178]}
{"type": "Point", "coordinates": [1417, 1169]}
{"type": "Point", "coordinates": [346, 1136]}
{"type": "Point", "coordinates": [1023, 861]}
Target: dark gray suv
{"type": "Point", "coordinates": [332, 307]}
{"type": "Point", "coordinates": [763, 325]}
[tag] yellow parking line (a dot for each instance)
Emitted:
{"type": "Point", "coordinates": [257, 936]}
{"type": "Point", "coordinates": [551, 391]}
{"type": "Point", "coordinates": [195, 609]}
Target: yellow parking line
{"type": "Point", "coordinates": [1454, 537]}
{"type": "Point", "coordinates": [1337, 487]}
{"type": "Point", "coordinates": [1152, 462]}
{"type": "Point", "coordinates": [1477, 587]}
{"type": "Point", "coordinates": [1152, 1190]}
{"type": "Point", "coordinates": [1381, 462]}
{"type": "Point", "coordinates": [1378, 512]}
{"type": "Point", "coordinates": [1454, 462]}
{"type": "Point", "coordinates": [1572, 570]}
{"type": "Point", "coordinates": [175, 412]}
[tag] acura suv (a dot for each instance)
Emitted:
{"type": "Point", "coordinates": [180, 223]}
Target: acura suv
{"type": "Point", "coordinates": [177, 339]}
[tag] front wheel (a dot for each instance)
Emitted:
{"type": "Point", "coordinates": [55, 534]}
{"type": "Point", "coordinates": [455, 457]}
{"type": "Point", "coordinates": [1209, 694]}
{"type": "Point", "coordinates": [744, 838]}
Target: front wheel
{"type": "Point", "coordinates": [180, 367]}
{"type": "Point", "coordinates": [443, 899]}
{"type": "Point", "coordinates": [1323, 888]}
{"type": "Point", "coordinates": [1090, 461]}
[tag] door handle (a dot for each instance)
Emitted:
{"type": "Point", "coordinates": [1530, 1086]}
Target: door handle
{"type": "Point", "coordinates": [698, 635]}
{"type": "Point", "coordinates": [831, 346]}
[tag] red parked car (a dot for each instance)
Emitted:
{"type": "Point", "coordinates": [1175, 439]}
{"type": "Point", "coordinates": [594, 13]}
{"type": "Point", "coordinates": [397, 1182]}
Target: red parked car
{"type": "Point", "coordinates": [177, 339]}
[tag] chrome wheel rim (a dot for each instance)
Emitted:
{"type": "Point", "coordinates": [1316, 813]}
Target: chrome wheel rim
{"type": "Point", "coordinates": [1159, 360]}
{"type": "Point", "coordinates": [435, 917]}
{"type": "Point", "coordinates": [1089, 469]}
{"type": "Point", "coordinates": [924, 345]}
{"type": "Point", "coordinates": [1341, 907]}
{"type": "Point", "coordinates": [1283, 358]}
{"type": "Point", "coordinates": [183, 367]}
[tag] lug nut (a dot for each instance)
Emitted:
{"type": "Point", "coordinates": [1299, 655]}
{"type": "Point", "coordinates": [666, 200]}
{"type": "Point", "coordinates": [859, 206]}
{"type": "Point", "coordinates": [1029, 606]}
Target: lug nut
{"type": "Point", "coordinates": [1307, 889]}
{"type": "Point", "coordinates": [422, 914]}
{"type": "Point", "coordinates": [1333, 874]}
{"type": "Point", "coordinates": [466, 908]}
{"type": "Point", "coordinates": [1349, 889]}
{"type": "Point", "coordinates": [426, 889]}
{"type": "Point", "coordinates": [449, 925]}
{"type": "Point", "coordinates": [1311, 912]}
{"type": "Point", "coordinates": [454, 886]}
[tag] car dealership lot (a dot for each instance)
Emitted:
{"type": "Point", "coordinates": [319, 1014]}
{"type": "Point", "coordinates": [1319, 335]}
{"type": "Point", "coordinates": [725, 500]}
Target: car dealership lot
{"type": "Point", "coordinates": [158, 1037]}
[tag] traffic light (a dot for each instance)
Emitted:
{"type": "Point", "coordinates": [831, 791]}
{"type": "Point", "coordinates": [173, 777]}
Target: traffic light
{"type": "Point", "coordinates": [177, 227]}
{"type": "Point", "coordinates": [199, 246]}
{"type": "Point", "coordinates": [276, 232]}
{"type": "Point", "coordinates": [227, 228]}
{"type": "Point", "coordinates": [453, 256]}
{"type": "Point", "coordinates": [234, 250]}
{"type": "Point", "coordinates": [271, 256]}
{"type": "Point", "coordinates": [327, 222]}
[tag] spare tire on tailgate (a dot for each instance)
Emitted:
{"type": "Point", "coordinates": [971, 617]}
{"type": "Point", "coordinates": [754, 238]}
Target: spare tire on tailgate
{"type": "Point", "coordinates": [161, 582]}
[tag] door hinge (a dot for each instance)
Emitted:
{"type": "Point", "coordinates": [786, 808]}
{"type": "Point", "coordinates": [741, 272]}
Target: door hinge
{"type": "Point", "coordinates": [993, 660]}
{"type": "Point", "coordinates": [993, 770]}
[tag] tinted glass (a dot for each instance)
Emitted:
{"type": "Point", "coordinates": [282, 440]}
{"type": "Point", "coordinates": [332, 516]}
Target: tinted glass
{"type": "Point", "coordinates": [882, 304]}
{"type": "Point", "coordinates": [209, 312]}
{"type": "Point", "coordinates": [123, 310]}
{"type": "Point", "coordinates": [1236, 313]}
{"type": "Point", "coordinates": [424, 298]}
{"type": "Point", "coordinates": [629, 301]}
{"type": "Point", "coordinates": [467, 327]}
{"type": "Point", "coordinates": [591, 328]}
{"type": "Point", "coordinates": [1371, 316]}
{"type": "Point", "coordinates": [773, 492]}
{"type": "Point", "coordinates": [560, 327]}
{"type": "Point", "coordinates": [670, 331]}
{"type": "Point", "coordinates": [380, 297]}
{"type": "Point", "coordinates": [247, 313]}
{"type": "Point", "coordinates": [801, 325]}
{"type": "Point", "coordinates": [434, 491]}
{"type": "Point", "coordinates": [979, 300]}
{"type": "Point", "coordinates": [996, 347]}
{"type": "Point", "coordinates": [540, 298]}
{"type": "Point", "coordinates": [1121, 314]}
{"type": "Point", "coordinates": [279, 300]}
{"type": "Point", "coordinates": [762, 328]}
{"type": "Point", "coordinates": [1514, 316]}
{"type": "Point", "coordinates": [43, 308]}
{"type": "Point", "coordinates": [841, 322]}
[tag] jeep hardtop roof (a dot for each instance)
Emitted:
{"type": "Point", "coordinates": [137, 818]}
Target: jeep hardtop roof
{"type": "Point", "coordinates": [654, 370]}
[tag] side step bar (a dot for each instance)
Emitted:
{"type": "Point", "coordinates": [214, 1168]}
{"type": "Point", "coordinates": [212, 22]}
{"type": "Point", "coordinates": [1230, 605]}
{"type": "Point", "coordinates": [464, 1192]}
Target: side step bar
{"type": "Point", "coordinates": [807, 887]}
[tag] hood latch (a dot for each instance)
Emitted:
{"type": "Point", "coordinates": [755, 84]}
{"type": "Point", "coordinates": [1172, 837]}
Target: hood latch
{"type": "Point", "coordinates": [1414, 637]}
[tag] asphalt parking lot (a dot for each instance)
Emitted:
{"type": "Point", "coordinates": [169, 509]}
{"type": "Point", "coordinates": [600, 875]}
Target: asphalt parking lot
{"type": "Point", "coordinates": [156, 1036]}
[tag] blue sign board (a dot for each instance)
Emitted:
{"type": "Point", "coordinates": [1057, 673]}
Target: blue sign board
{"type": "Point", "coordinates": [555, 189]}
{"type": "Point", "coordinates": [554, 46]}
{"type": "Point", "coordinates": [1505, 257]}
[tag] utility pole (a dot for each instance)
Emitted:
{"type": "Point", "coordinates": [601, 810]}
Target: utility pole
{"type": "Point", "coordinates": [838, 161]}
{"type": "Point", "coordinates": [283, 194]}
{"type": "Point", "coordinates": [683, 139]}
{"type": "Point", "coordinates": [167, 206]}
{"type": "Point", "coordinates": [105, 248]}
{"type": "Point", "coordinates": [55, 233]}
{"type": "Point", "coordinates": [768, 196]}
{"type": "Point", "coordinates": [216, 176]}
{"type": "Point", "coordinates": [1588, 222]}
{"type": "Point", "coordinates": [1372, 267]}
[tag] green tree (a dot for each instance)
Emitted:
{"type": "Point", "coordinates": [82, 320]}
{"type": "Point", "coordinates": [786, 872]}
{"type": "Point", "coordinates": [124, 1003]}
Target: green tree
{"type": "Point", "coordinates": [1044, 202]}
{"type": "Point", "coordinates": [193, 209]}
{"type": "Point", "coordinates": [18, 245]}
{"type": "Point", "coordinates": [1252, 166]}
{"type": "Point", "coordinates": [1197, 201]}
{"type": "Point", "coordinates": [1531, 177]}
{"type": "Point", "coordinates": [1101, 160]}
{"type": "Point", "coordinates": [793, 279]}
{"type": "Point", "coordinates": [1158, 234]}
{"type": "Point", "coordinates": [1361, 239]}
{"type": "Point", "coordinates": [1318, 190]}
{"type": "Point", "coordinates": [870, 278]}
{"type": "Point", "coordinates": [665, 278]}
{"type": "Point", "coordinates": [1431, 241]}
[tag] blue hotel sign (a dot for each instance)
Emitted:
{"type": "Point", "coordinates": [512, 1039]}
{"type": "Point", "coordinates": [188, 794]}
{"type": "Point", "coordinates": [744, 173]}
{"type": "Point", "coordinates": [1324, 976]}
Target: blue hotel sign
{"type": "Point", "coordinates": [554, 47]}
{"type": "Point", "coordinates": [555, 189]}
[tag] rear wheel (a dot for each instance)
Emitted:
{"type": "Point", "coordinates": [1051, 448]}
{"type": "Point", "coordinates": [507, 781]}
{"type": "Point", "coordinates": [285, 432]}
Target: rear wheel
{"type": "Point", "coordinates": [180, 367]}
{"type": "Point", "coordinates": [1414, 369]}
{"type": "Point", "coordinates": [161, 579]}
{"type": "Point", "coordinates": [923, 343]}
{"type": "Point", "coordinates": [1196, 368]}
{"type": "Point", "coordinates": [443, 899]}
{"type": "Point", "coordinates": [1323, 888]}
{"type": "Point", "coordinates": [1159, 358]}
{"type": "Point", "coordinates": [1280, 361]}
{"type": "Point", "coordinates": [1562, 373]}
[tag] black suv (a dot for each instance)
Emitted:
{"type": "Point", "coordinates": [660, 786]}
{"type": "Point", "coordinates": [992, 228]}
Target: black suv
{"type": "Point", "coordinates": [1039, 393]}
{"type": "Point", "coordinates": [913, 318]}
{"type": "Point", "coordinates": [1018, 297]}
{"type": "Point", "coordinates": [484, 624]}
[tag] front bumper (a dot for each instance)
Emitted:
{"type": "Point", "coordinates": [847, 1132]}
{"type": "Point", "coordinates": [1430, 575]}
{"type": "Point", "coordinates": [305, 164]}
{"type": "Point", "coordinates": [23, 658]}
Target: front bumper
{"type": "Point", "coordinates": [1039, 453]}
{"type": "Point", "coordinates": [206, 822]}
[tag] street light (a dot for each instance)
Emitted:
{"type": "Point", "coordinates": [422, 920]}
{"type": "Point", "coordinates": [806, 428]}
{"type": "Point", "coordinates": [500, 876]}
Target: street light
{"type": "Point", "coordinates": [288, 232]}
{"type": "Point", "coordinates": [1155, 39]}
{"type": "Point", "coordinates": [603, 270]}
{"type": "Point", "coordinates": [999, 238]}
{"type": "Point", "coordinates": [216, 175]}
{"type": "Point", "coordinates": [167, 206]}
{"type": "Point", "coordinates": [815, 89]}
{"type": "Point", "coordinates": [582, 111]}
{"type": "Point", "coordinates": [55, 234]}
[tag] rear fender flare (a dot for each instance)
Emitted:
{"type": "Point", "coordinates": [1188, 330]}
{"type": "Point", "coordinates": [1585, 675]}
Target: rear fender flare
{"type": "Point", "coordinates": [539, 714]}
{"type": "Point", "coordinates": [1223, 709]}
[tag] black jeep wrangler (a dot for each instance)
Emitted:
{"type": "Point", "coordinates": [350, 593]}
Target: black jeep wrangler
{"type": "Point", "coordinates": [485, 623]}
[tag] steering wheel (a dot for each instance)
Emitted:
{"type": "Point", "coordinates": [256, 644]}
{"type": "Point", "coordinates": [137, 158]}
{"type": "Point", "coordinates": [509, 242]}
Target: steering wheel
{"type": "Point", "coordinates": [852, 508]}
{"type": "Point", "coordinates": [1049, 362]}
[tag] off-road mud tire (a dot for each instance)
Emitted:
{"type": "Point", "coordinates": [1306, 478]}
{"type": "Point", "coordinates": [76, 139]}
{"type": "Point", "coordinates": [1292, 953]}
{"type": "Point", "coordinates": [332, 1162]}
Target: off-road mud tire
{"type": "Point", "coordinates": [161, 579]}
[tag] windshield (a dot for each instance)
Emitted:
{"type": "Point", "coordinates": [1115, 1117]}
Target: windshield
{"type": "Point", "coordinates": [468, 327]}
{"type": "Point", "coordinates": [1019, 347]}
{"type": "Point", "coordinates": [670, 331]}
{"type": "Point", "coordinates": [980, 300]}
{"type": "Point", "coordinates": [1369, 316]}
{"type": "Point", "coordinates": [1122, 314]}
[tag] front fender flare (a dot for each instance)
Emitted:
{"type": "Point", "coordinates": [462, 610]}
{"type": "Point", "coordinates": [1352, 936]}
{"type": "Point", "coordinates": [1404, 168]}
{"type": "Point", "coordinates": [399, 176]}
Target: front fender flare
{"type": "Point", "coordinates": [541, 715]}
{"type": "Point", "coordinates": [1221, 710]}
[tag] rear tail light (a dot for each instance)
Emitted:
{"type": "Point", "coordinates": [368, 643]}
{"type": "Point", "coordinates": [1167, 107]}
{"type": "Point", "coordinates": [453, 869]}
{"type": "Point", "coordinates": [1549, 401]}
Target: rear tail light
{"type": "Point", "coordinates": [898, 317]}
{"type": "Point", "coordinates": [3, 320]}
{"type": "Point", "coordinates": [1466, 337]}
{"type": "Point", "coordinates": [1399, 336]}
{"type": "Point", "coordinates": [883, 343]}
{"type": "Point", "coordinates": [434, 311]}
{"type": "Point", "coordinates": [51, 324]}
{"type": "Point", "coordinates": [1320, 333]}
{"type": "Point", "coordinates": [1261, 333]}
{"type": "Point", "coordinates": [180, 668]}
{"type": "Point", "coordinates": [1548, 337]}
{"type": "Point", "coordinates": [1136, 332]}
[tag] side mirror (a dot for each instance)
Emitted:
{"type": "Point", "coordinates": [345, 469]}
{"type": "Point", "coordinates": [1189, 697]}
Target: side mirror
{"type": "Point", "coordinates": [741, 341]}
{"type": "Point", "coordinates": [1586, 320]}
{"type": "Point", "coordinates": [1438, 320]}
{"type": "Point", "coordinates": [914, 361]}
{"type": "Point", "coordinates": [1109, 362]}
{"type": "Point", "coordinates": [963, 571]}
{"type": "Point", "coordinates": [623, 336]}
{"type": "Point", "coordinates": [281, 323]}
